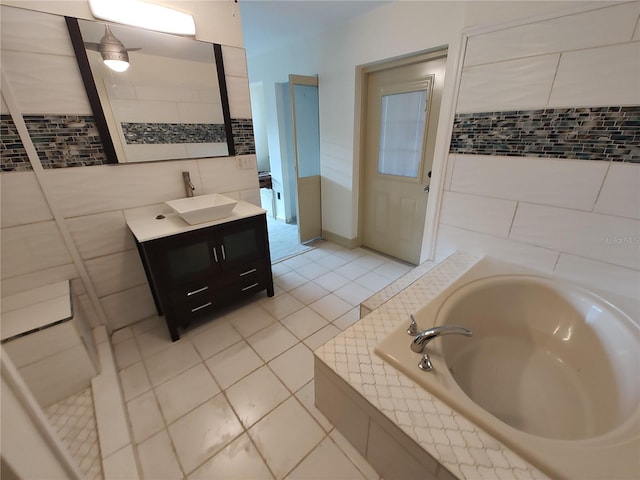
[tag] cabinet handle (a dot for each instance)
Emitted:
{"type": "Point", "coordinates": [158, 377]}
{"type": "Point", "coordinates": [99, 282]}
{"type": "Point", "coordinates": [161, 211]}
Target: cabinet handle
{"type": "Point", "coordinates": [197, 291]}
{"type": "Point", "coordinates": [193, 310]}
{"type": "Point", "coordinates": [249, 287]}
{"type": "Point", "coordinates": [215, 254]}
{"type": "Point", "coordinates": [224, 256]}
{"type": "Point", "coordinates": [248, 272]}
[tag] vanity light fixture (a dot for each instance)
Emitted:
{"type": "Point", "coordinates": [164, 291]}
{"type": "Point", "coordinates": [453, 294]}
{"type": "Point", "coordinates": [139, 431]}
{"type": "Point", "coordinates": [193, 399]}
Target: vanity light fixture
{"type": "Point", "coordinates": [145, 15]}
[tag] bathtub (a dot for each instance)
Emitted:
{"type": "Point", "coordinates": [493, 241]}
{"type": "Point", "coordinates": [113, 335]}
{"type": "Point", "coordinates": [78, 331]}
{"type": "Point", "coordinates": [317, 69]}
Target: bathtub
{"type": "Point", "coordinates": [552, 370]}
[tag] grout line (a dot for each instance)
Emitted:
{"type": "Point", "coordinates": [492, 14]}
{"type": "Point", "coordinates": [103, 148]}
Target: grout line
{"type": "Point", "coordinates": [244, 340]}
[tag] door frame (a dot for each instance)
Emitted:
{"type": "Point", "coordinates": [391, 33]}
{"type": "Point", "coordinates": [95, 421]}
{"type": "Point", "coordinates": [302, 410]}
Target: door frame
{"type": "Point", "coordinates": [443, 138]}
{"type": "Point", "coordinates": [312, 81]}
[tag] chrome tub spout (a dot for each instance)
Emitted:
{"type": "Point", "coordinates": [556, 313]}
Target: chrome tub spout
{"type": "Point", "coordinates": [420, 340]}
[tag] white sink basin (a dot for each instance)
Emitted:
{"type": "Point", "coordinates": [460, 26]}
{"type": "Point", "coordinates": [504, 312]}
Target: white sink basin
{"type": "Point", "coordinates": [202, 208]}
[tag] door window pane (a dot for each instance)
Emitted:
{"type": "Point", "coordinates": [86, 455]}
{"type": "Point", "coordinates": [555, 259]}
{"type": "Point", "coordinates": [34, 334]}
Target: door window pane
{"type": "Point", "coordinates": [402, 123]}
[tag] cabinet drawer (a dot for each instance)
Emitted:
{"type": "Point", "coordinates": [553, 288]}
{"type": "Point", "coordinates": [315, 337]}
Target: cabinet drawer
{"type": "Point", "coordinates": [247, 272]}
{"type": "Point", "coordinates": [191, 292]}
{"type": "Point", "coordinates": [247, 285]}
{"type": "Point", "coordinates": [186, 310]}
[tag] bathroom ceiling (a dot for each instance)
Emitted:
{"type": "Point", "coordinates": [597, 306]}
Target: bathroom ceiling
{"type": "Point", "coordinates": [269, 23]}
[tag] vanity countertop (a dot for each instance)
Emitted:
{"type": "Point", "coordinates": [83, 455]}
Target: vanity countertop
{"type": "Point", "coordinates": [144, 225]}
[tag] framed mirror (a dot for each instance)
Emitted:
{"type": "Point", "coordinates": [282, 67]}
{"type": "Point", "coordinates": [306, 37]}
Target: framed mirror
{"type": "Point", "coordinates": [171, 102]}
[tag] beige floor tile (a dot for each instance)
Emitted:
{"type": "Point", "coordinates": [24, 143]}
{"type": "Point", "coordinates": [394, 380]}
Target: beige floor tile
{"type": "Point", "coordinates": [331, 281]}
{"type": "Point", "coordinates": [157, 458]}
{"type": "Point", "coordinates": [126, 353]}
{"type": "Point", "coordinates": [239, 460]}
{"type": "Point", "coordinates": [282, 306]}
{"type": "Point", "coordinates": [294, 367]}
{"type": "Point", "coordinates": [285, 436]}
{"type": "Point", "coordinates": [215, 339]}
{"type": "Point", "coordinates": [326, 461]}
{"type": "Point", "coordinates": [309, 292]}
{"type": "Point", "coordinates": [321, 337]}
{"type": "Point", "coordinates": [353, 293]}
{"type": "Point", "coordinates": [250, 319]}
{"type": "Point", "coordinates": [351, 271]}
{"type": "Point", "coordinates": [145, 416]}
{"type": "Point", "coordinates": [373, 281]}
{"type": "Point", "coordinates": [331, 307]}
{"type": "Point", "coordinates": [304, 322]}
{"type": "Point", "coordinates": [186, 391]}
{"type": "Point", "coordinates": [312, 270]}
{"type": "Point", "coordinates": [203, 432]}
{"type": "Point", "coordinates": [171, 361]}
{"type": "Point", "coordinates": [233, 364]}
{"type": "Point", "coordinates": [134, 380]}
{"type": "Point", "coordinates": [290, 280]}
{"type": "Point", "coordinates": [256, 395]}
{"type": "Point", "coordinates": [345, 321]}
{"type": "Point", "coordinates": [272, 341]}
{"type": "Point", "coordinates": [154, 340]}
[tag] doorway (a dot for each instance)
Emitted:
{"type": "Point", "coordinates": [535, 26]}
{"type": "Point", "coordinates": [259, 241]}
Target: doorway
{"type": "Point", "coordinates": [401, 106]}
{"type": "Point", "coordinates": [299, 216]}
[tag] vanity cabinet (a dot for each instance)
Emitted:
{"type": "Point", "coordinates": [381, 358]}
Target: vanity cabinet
{"type": "Point", "coordinates": [195, 272]}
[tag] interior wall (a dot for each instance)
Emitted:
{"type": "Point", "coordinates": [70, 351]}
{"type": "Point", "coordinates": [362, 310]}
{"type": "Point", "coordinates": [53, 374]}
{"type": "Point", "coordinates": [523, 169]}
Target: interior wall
{"type": "Point", "coordinates": [92, 199]}
{"type": "Point", "coordinates": [571, 207]}
{"type": "Point", "coordinates": [392, 30]}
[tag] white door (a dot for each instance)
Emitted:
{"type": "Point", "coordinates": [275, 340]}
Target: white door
{"type": "Point", "coordinates": [402, 109]}
{"type": "Point", "coordinates": [306, 147]}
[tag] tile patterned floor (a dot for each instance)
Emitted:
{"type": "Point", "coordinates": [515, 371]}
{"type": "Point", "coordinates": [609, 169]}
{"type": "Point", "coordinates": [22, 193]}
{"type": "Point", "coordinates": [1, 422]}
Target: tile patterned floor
{"type": "Point", "coordinates": [233, 398]}
{"type": "Point", "coordinates": [74, 420]}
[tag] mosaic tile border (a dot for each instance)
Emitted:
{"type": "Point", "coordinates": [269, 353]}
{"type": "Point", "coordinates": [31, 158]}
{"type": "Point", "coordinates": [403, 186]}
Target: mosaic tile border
{"type": "Point", "coordinates": [590, 133]}
{"type": "Point", "coordinates": [172, 133]}
{"type": "Point", "coordinates": [66, 140]}
{"type": "Point", "coordinates": [428, 421]}
{"type": "Point", "coordinates": [13, 156]}
{"type": "Point", "coordinates": [243, 137]}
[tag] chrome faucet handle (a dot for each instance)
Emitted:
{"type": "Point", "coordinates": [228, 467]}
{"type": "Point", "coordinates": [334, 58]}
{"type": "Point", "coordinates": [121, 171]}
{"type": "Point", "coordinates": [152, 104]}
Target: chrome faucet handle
{"type": "Point", "coordinates": [425, 363]}
{"type": "Point", "coordinates": [413, 327]}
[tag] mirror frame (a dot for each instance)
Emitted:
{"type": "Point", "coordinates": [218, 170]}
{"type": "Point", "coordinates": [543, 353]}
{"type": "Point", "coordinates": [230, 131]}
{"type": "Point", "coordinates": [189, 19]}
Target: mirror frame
{"type": "Point", "coordinates": [96, 106]}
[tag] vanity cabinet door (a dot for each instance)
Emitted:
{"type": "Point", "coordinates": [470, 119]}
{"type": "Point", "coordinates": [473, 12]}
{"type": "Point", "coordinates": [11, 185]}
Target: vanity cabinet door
{"type": "Point", "coordinates": [241, 243]}
{"type": "Point", "coordinates": [184, 261]}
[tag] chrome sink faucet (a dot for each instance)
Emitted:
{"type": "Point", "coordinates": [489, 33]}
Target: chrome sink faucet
{"type": "Point", "coordinates": [188, 186]}
{"type": "Point", "coordinates": [421, 339]}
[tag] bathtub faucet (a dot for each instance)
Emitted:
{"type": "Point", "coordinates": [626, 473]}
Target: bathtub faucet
{"type": "Point", "coordinates": [420, 340]}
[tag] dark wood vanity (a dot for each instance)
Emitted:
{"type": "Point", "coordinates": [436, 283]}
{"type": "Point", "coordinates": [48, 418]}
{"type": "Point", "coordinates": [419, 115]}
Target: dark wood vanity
{"type": "Point", "coordinates": [197, 269]}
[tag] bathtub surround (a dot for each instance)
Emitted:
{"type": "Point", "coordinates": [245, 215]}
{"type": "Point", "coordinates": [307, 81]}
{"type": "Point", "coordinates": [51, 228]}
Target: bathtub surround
{"type": "Point", "coordinates": [398, 427]}
{"type": "Point", "coordinates": [551, 89]}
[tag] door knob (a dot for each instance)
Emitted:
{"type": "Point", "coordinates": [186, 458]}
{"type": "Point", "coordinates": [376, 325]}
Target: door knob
{"type": "Point", "coordinates": [426, 189]}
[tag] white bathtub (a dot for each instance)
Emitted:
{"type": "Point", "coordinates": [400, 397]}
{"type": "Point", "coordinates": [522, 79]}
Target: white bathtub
{"type": "Point", "coordinates": [552, 370]}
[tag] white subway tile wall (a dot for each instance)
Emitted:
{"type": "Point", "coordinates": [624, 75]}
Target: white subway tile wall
{"type": "Point", "coordinates": [576, 218]}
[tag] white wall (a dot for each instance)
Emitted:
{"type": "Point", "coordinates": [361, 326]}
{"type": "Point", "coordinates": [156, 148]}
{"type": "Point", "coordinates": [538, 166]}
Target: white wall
{"type": "Point", "coordinates": [91, 200]}
{"type": "Point", "coordinates": [392, 30]}
{"type": "Point", "coordinates": [579, 219]}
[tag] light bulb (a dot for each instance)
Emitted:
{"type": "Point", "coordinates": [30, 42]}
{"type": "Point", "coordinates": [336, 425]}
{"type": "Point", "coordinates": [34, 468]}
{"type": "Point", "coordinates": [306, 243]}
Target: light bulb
{"type": "Point", "coordinates": [117, 65]}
